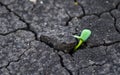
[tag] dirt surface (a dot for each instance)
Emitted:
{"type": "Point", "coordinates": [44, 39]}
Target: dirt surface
{"type": "Point", "coordinates": [37, 39]}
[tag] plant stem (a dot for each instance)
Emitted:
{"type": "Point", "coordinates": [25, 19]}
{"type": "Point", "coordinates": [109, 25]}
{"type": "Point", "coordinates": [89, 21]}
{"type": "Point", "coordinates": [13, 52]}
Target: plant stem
{"type": "Point", "coordinates": [78, 45]}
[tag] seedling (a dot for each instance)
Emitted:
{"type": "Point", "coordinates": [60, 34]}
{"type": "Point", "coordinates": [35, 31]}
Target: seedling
{"type": "Point", "coordinates": [76, 2]}
{"type": "Point", "coordinates": [85, 34]}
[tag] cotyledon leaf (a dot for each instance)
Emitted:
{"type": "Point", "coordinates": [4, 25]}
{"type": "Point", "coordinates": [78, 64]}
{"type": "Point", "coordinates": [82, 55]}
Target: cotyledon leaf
{"type": "Point", "coordinates": [85, 34]}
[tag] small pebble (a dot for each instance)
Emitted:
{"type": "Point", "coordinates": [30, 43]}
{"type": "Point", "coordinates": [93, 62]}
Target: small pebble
{"type": "Point", "coordinates": [41, 2]}
{"type": "Point", "coordinates": [34, 1]}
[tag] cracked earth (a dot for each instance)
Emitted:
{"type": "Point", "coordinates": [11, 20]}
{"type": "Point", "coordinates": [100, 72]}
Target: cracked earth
{"type": "Point", "coordinates": [37, 38]}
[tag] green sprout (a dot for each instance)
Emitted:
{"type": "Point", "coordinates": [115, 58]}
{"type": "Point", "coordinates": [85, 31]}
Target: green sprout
{"type": "Point", "coordinates": [85, 34]}
{"type": "Point", "coordinates": [76, 2]}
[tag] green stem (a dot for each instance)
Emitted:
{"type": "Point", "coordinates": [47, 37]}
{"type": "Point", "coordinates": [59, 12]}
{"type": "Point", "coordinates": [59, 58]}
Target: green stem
{"type": "Point", "coordinates": [78, 45]}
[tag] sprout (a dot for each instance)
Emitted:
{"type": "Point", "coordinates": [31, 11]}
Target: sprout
{"type": "Point", "coordinates": [85, 34]}
{"type": "Point", "coordinates": [76, 2]}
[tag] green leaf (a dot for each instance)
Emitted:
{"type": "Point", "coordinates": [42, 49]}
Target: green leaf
{"type": "Point", "coordinates": [85, 34]}
{"type": "Point", "coordinates": [76, 36]}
